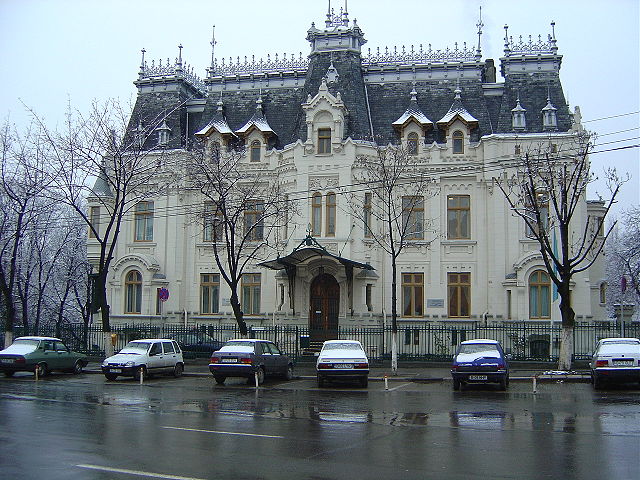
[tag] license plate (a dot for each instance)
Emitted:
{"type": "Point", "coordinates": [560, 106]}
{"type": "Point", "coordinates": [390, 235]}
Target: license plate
{"type": "Point", "coordinates": [7, 360]}
{"type": "Point", "coordinates": [477, 377]}
{"type": "Point", "coordinates": [623, 363]}
{"type": "Point", "coordinates": [229, 360]}
{"type": "Point", "coordinates": [343, 365]}
{"type": "Point", "coordinates": [115, 370]}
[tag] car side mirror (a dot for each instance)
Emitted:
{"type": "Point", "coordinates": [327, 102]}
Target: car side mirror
{"type": "Point", "coordinates": [508, 356]}
{"type": "Point", "coordinates": [316, 354]}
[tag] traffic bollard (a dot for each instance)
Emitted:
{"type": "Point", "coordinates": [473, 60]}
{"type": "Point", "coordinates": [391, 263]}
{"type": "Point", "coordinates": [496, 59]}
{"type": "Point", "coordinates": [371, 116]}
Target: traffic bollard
{"type": "Point", "coordinates": [535, 381]}
{"type": "Point", "coordinates": [255, 375]}
{"type": "Point", "coordinates": [386, 382]}
{"type": "Point", "coordinates": [141, 375]}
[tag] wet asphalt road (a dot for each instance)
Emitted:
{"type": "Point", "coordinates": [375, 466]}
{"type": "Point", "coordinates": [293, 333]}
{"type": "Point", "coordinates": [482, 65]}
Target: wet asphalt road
{"type": "Point", "coordinates": [84, 427]}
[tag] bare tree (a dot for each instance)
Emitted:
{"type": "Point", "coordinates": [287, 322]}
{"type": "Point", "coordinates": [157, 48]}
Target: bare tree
{"type": "Point", "coordinates": [99, 159]}
{"type": "Point", "coordinates": [623, 261]}
{"type": "Point", "coordinates": [22, 182]}
{"type": "Point", "coordinates": [242, 211]}
{"type": "Point", "coordinates": [392, 210]}
{"type": "Point", "coordinates": [548, 191]}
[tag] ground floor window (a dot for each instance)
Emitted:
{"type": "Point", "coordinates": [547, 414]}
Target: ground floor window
{"type": "Point", "coordinates": [459, 291]}
{"type": "Point", "coordinates": [412, 294]}
{"type": "Point", "coordinates": [251, 293]}
{"type": "Point", "coordinates": [539, 295]}
{"type": "Point", "coordinates": [209, 292]}
{"type": "Point", "coordinates": [133, 292]}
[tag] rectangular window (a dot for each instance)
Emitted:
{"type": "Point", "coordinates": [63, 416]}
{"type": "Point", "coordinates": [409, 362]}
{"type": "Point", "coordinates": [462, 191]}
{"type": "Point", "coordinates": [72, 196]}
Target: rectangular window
{"type": "Point", "coordinates": [412, 294]}
{"type": "Point", "coordinates": [158, 302]}
{"type": "Point", "coordinates": [324, 140]}
{"type": "Point", "coordinates": [331, 214]}
{"type": "Point", "coordinates": [367, 215]}
{"type": "Point", "coordinates": [459, 289]}
{"type": "Point", "coordinates": [254, 220]}
{"type": "Point", "coordinates": [94, 218]}
{"type": "Point", "coordinates": [458, 217]}
{"type": "Point", "coordinates": [413, 217]}
{"type": "Point", "coordinates": [316, 214]}
{"type": "Point", "coordinates": [251, 293]}
{"type": "Point", "coordinates": [144, 222]}
{"type": "Point", "coordinates": [209, 292]}
{"type": "Point", "coordinates": [213, 223]}
{"type": "Point", "coordinates": [542, 206]}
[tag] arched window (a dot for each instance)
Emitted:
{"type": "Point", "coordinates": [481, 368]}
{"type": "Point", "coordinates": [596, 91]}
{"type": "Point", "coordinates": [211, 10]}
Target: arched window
{"type": "Point", "coordinates": [133, 292]}
{"type": "Point", "coordinates": [458, 141]}
{"type": "Point", "coordinates": [412, 143]}
{"type": "Point", "coordinates": [316, 214]}
{"type": "Point", "coordinates": [539, 295]}
{"type": "Point", "coordinates": [255, 151]}
{"type": "Point", "coordinates": [331, 214]}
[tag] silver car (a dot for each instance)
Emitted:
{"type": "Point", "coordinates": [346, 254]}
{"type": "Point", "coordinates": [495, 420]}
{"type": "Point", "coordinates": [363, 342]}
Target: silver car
{"type": "Point", "coordinates": [615, 360]}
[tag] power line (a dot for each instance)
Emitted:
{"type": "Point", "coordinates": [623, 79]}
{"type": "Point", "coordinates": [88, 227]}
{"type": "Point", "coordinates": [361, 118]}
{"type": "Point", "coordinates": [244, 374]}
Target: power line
{"type": "Point", "coordinates": [610, 117]}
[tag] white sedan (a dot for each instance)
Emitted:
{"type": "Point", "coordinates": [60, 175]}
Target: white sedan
{"type": "Point", "coordinates": [342, 360]}
{"type": "Point", "coordinates": [615, 360]}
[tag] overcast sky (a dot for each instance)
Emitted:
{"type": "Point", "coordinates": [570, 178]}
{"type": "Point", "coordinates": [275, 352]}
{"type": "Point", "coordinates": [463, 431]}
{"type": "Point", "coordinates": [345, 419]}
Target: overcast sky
{"type": "Point", "coordinates": [78, 50]}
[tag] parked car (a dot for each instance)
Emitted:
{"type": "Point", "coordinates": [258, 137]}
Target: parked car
{"type": "Point", "coordinates": [342, 360]}
{"type": "Point", "coordinates": [197, 342]}
{"type": "Point", "coordinates": [480, 361]}
{"type": "Point", "coordinates": [147, 357]}
{"type": "Point", "coordinates": [248, 357]}
{"type": "Point", "coordinates": [615, 360]}
{"type": "Point", "coordinates": [41, 355]}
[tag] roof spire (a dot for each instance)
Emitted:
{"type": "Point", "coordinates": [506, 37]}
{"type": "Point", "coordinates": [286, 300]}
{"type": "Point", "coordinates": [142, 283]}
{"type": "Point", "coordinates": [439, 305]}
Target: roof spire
{"type": "Point", "coordinates": [345, 15]}
{"type": "Point", "coordinates": [213, 45]}
{"type": "Point", "coordinates": [552, 40]}
{"type": "Point", "coordinates": [327, 22]}
{"type": "Point", "coordinates": [142, 64]}
{"type": "Point", "coordinates": [479, 25]}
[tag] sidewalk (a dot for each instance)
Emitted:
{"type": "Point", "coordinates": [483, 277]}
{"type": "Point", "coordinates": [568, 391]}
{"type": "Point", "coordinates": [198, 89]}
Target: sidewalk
{"type": "Point", "coordinates": [413, 372]}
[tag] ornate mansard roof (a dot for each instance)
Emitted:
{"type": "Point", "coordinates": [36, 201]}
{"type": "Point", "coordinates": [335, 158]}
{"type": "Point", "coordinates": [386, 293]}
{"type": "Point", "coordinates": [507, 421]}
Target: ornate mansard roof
{"type": "Point", "coordinates": [443, 84]}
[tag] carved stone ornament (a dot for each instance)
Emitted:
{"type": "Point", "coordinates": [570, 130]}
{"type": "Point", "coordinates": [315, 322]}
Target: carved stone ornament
{"type": "Point", "coordinates": [323, 182]}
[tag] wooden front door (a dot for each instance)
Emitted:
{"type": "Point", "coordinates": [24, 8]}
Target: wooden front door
{"type": "Point", "coordinates": [324, 307]}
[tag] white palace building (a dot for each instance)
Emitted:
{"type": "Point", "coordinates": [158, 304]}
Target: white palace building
{"type": "Point", "coordinates": [309, 119]}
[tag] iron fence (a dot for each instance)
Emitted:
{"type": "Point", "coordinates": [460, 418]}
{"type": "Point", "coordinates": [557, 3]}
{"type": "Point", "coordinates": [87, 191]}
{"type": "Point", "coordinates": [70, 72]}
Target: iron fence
{"type": "Point", "coordinates": [419, 342]}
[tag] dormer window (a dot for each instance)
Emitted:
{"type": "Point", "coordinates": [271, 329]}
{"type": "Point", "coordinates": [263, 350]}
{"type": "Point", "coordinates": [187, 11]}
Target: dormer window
{"type": "Point", "coordinates": [549, 116]}
{"type": "Point", "coordinates": [324, 140]}
{"type": "Point", "coordinates": [163, 134]}
{"type": "Point", "coordinates": [255, 151]}
{"type": "Point", "coordinates": [518, 119]}
{"type": "Point", "coordinates": [458, 142]}
{"type": "Point", "coordinates": [412, 143]}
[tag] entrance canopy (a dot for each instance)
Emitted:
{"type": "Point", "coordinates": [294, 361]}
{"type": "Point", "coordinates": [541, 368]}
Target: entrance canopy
{"type": "Point", "coordinates": [307, 249]}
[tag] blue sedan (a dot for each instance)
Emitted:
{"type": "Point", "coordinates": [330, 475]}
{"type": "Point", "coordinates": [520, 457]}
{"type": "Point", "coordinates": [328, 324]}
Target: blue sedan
{"type": "Point", "coordinates": [480, 361]}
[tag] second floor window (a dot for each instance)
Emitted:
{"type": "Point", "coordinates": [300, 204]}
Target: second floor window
{"type": "Point", "coordinates": [413, 217]}
{"type": "Point", "coordinates": [209, 292]}
{"type": "Point", "coordinates": [251, 293]}
{"type": "Point", "coordinates": [94, 218]}
{"type": "Point", "coordinates": [255, 151]}
{"type": "Point", "coordinates": [367, 206]}
{"type": "Point", "coordinates": [542, 206]}
{"type": "Point", "coordinates": [144, 222]}
{"type": "Point", "coordinates": [316, 215]}
{"type": "Point", "coordinates": [458, 217]}
{"type": "Point", "coordinates": [324, 140]}
{"type": "Point", "coordinates": [213, 225]}
{"type": "Point", "coordinates": [331, 214]}
{"type": "Point", "coordinates": [254, 220]}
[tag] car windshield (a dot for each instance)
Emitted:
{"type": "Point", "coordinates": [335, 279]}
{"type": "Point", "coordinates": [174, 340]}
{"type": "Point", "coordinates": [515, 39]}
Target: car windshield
{"type": "Point", "coordinates": [342, 346]}
{"type": "Point", "coordinates": [26, 341]}
{"type": "Point", "coordinates": [478, 348]}
{"type": "Point", "coordinates": [136, 347]}
{"type": "Point", "coordinates": [239, 343]}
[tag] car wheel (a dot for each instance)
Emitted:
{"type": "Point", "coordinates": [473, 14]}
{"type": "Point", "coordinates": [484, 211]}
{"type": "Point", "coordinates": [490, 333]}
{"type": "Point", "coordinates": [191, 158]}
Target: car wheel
{"type": "Point", "coordinates": [597, 383]}
{"type": "Point", "coordinates": [456, 384]}
{"type": "Point", "coordinates": [260, 373]}
{"type": "Point", "coordinates": [503, 384]}
{"type": "Point", "coordinates": [364, 382]}
{"type": "Point", "coordinates": [288, 375]}
{"type": "Point", "coordinates": [77, 367]}
{"type": "Point", "coordinates": [8, 373]}
{"type": "Point", "coordinates": [140, 370]}
{"type": "Point", "coordinates": [220, 379]}
{"type": "Point", "coordinates": [177, 370]}
{"type": "Point", "coordinates": [321, 382]}
{"type": "Point", "coordinates": [41, 369]}
{"type": "Point", "coordinates": [110, 376]}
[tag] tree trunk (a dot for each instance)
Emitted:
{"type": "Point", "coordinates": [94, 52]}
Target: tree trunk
{"type": "Point", "coordinates": [566, 349]}
{"type": "Point", "coordinates": [8, 338]}
{"type": "Point", "coordinates": [394, 318]}
{"type": "Point", "coordinates": [10, 320]}
{"type": "Point", "coordinates": [108, 346]}
{"type": "Point", "coordinates": [237, 312]}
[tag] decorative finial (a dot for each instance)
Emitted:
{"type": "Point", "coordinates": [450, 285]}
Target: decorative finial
{"type": "Point", "coordinates": [142, 66]}
{"type": "Point", "coordinates": [479, 25]}
{"type": "Point", "coordinates": [345, 15]}
{"type": "Point", "coordinates": [552, 40]}
{"type": "Point", "coordinates": [414, 94]}
{"type": "Point", "coordinates": [507, 50]}
{"type": "Point", "coordinates": [213, 45]}
{"type": "Point", "coordinates": [327, 22]}
{"type": "Point", "coordinates": [180, 54]}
